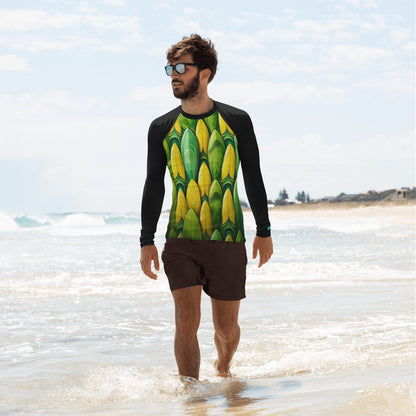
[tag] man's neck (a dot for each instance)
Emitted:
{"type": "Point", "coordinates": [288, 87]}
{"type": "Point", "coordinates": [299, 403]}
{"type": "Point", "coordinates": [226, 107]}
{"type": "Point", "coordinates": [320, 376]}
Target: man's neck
{"type": "Point", "coordinates": [200, 104]}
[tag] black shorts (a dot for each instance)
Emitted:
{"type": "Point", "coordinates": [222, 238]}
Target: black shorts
{"type": "Point", "coordinates": [219, 266]}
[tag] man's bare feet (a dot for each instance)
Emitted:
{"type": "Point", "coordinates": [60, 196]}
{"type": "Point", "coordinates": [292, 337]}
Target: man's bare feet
{"type": "Point", "coordinates": [221, 372]}
{"type": "Point", "coordinates": [189, 383]}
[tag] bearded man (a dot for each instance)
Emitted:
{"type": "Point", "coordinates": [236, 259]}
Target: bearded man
{"type": "Point", "coordinates": [202, 142]}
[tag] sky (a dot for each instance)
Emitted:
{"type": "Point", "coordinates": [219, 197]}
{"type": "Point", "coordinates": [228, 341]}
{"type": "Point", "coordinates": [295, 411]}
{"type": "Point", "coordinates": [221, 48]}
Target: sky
{"type": "Point", "coordinates": [329, 86]}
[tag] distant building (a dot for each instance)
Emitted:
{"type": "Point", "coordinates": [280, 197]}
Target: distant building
{"type": "Point", "coordinates": [402, 193]}
{"type": "Point", "coordinates": [293, 201]}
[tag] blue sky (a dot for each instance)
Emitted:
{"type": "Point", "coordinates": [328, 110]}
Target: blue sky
{"type": "Point", "coordinates": [329, 85]}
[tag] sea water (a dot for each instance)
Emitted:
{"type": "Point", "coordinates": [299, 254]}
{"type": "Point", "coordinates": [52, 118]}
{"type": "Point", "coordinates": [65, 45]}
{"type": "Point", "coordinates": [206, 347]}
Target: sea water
{"type": "Point", "coordinates": [328, 325]}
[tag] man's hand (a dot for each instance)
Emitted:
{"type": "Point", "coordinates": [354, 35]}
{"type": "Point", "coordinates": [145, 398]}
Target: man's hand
{"type": "Point", "coordinates": [147, 254]}
{"type": "Point", "coordinates": [264, 246]}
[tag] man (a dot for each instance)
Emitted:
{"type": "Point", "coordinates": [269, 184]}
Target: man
{"type": "Point", "coordinates": [202, 142]}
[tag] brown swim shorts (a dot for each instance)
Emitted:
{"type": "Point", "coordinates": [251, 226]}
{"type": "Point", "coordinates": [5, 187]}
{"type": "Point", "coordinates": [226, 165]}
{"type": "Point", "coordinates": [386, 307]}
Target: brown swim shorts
{"type": "Point", "coordinates": [219, 266]}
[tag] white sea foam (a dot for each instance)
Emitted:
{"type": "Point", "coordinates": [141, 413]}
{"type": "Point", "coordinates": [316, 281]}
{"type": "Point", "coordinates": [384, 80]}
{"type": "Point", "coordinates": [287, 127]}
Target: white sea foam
{"type": "Point", "coordinates": [308, 274]}
{"type": "Point", "coordinates": [7, 223]}
{"type": "Point", "coordinates": [346, 224]}
{"type": "Point", "coordinates": [115, 384]}
{"type": "Point", "coordinates": [77, 220]}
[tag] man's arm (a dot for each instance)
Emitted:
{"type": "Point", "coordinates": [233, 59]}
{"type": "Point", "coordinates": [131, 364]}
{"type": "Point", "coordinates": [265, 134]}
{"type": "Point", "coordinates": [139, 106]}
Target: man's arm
{"type": "Point", "coordinates": [263, 246]}
{"type": "Point", "coordinates": [147, 254]}
{"type": "Point", "coordinates": [256, 192]}
{"type": "Point", "coordinates": [152, 200]}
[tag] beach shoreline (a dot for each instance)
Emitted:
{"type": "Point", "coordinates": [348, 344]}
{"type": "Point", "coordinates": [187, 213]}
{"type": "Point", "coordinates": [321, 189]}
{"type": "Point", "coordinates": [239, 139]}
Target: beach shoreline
{"type": "Point", "coordinates": [348, 204]}
{"type": "Point", "coordinates": [396, 212]}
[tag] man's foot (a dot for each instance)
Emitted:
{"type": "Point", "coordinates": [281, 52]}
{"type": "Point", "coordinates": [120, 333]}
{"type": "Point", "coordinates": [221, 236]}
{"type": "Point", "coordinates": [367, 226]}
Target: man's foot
{"type": "Point", "coordinates": [188, 383]}
{"type": "Point", "coordinates": [222, 372]}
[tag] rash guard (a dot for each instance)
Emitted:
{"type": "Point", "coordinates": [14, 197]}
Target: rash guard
{"type": "Point", "coordinates": [203, 153]}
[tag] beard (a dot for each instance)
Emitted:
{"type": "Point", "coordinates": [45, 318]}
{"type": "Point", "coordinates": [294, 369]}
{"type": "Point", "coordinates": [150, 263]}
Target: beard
{"type": "Point", "coordinates": [190, 91]}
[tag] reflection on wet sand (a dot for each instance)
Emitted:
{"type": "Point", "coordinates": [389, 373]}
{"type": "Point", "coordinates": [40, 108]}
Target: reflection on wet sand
{"type": "Point", "coordinates": [232, 396]}
{"type": "Point", "coordinates": [235, 397]}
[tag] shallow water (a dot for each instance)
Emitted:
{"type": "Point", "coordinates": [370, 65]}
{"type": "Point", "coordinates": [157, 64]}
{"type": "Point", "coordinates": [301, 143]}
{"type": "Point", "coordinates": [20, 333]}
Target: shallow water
{"type": "Point", "coordinates": [327, 325]}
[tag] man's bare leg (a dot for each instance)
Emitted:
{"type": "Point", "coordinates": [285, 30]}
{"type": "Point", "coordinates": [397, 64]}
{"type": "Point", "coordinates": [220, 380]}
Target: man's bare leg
{"type": "Point", "coordinates": [227, 333]}
{"type": "Point", "coordinates": [187, 317]}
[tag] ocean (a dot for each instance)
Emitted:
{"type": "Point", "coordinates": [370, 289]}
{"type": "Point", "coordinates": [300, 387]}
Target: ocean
{"type": "Point", "coordinates": [327, 328]}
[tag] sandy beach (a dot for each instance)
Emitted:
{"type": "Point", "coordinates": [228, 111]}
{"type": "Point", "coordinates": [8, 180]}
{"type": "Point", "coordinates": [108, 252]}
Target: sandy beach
{"type": "Point", "coordinates": [384, 213]}
{"type": "Point", "coordinates": [401, 211]}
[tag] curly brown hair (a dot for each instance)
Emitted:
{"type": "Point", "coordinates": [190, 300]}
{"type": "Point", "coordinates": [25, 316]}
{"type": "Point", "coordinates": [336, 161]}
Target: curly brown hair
{"type": "Point", "coordinates": [202, 50]}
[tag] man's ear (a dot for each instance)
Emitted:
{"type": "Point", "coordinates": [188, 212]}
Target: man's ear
{"type": "Point", "coordinates": [205, 74]}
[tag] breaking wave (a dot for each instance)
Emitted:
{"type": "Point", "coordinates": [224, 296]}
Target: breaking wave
{"type": "Point", "coordinates": [10, 222]}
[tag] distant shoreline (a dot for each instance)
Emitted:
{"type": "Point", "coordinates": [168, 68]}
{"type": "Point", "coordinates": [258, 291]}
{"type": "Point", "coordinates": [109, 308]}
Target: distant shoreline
{"type": "Point", "coordinates": [316, 207]}
{"type": "Point", "coordinates": [342, 205]}
{"type": "Point", "coordinates": [387, 212]}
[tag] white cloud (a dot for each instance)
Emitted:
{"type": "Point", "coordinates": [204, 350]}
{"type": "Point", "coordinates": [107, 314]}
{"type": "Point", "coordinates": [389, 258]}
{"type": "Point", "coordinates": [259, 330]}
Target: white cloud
{"type": "Point", "coordinates": [13, 63]}
{"type": "Point", "coordinates": [400, 34]}
{"type": "Point", "coordinates": [239, 22]}
{"type": "Point", "coordinates": [29, 29]}
{"type": "Point", "coordinates": [379, 21]}
{"type": "Point", "coordinates": [370, 4]}
{"type": "Point", "coordinates": [94, 153]}
{"type": "Point", "coordinates": [21, 20]}
{"type": "Point", "coordinates": [26, 106]}
{"type": "Point", "coordinates": [409, 47]}
{"type": "Point", "coordinates": [114, 2]}
{"type": "Point", "coordinates": [337, 63]}
{"type": "Point", "coordinates": [263, 92]}
{"type": "Point", "coordinates": [67, 42]}
{"type": "Point", "coordinates": [160, 5]}
{"type": "Point", "coordinates": [148, 93]}
{"type": "Point", "coordinates": [355, 56]}
{"type": "Point", "coordinates": [279, 34]}
{"type": "Point", "coordinates": [49, 124]}
{"type": "Point", "coordinates": [185, 26]}
{"type": "Point", "coordinates": [324, 166]}
{"type": "Point", "coordinates": [268, 65]}
{"type": "Point", "coordinates": [32, 20]}
{"type": "Point", "coordinates": [286, 65]}
{"type": "Point", "coordinates": [290, 12]}
{"type": "Point", "coordinates": [394, 83]}
{"type": "Point", "coordinates": [246, 93]}
{"type": "Point", "coordinates": [324, 31]}
{"type": "Point", "coordinates": [317, 150]}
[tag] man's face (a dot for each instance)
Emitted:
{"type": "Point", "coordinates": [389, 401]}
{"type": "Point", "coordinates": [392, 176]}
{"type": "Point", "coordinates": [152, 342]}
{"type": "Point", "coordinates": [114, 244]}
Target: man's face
{"type": "Point", "coordinates": [185, 85]}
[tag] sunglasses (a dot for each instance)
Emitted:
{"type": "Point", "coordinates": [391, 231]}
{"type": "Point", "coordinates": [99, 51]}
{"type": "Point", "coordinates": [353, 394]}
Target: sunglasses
{"type": "Point", "coordinates": [179, 68]}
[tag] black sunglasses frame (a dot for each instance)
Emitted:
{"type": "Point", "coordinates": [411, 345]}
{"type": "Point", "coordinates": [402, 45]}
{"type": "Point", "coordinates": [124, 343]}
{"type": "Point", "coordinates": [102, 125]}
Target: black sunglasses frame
{"type": "Point", "coordinates": [171, 68]}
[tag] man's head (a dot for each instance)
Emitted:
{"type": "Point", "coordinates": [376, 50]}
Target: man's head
{"type": "Point", "coordinates": [202, 52]}
{"type": "Point", "coordinates": [186, 77]}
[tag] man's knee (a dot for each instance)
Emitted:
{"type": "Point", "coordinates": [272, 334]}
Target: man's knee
{"type": "Point", "coordinates": [187, 309]}
{"type": "Point", "coordinates": [187, 320]}
{"type": "Point", "coordinates": [228, 331]}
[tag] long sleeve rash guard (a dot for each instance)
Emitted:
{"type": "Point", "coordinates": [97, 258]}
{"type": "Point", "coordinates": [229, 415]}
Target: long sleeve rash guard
{"type": "Point", "coordinates": [203, 153]}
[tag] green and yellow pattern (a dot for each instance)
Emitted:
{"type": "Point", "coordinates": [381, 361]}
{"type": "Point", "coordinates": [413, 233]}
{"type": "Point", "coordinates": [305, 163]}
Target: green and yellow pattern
{"type": "Point", "coordinates": [203, 162]}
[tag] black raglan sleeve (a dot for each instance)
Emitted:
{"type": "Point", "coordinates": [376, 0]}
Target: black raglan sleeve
{"type": "Point", "coordinates": [253, 181]}
{"type": "Point", "coordinates": [154, 187]}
